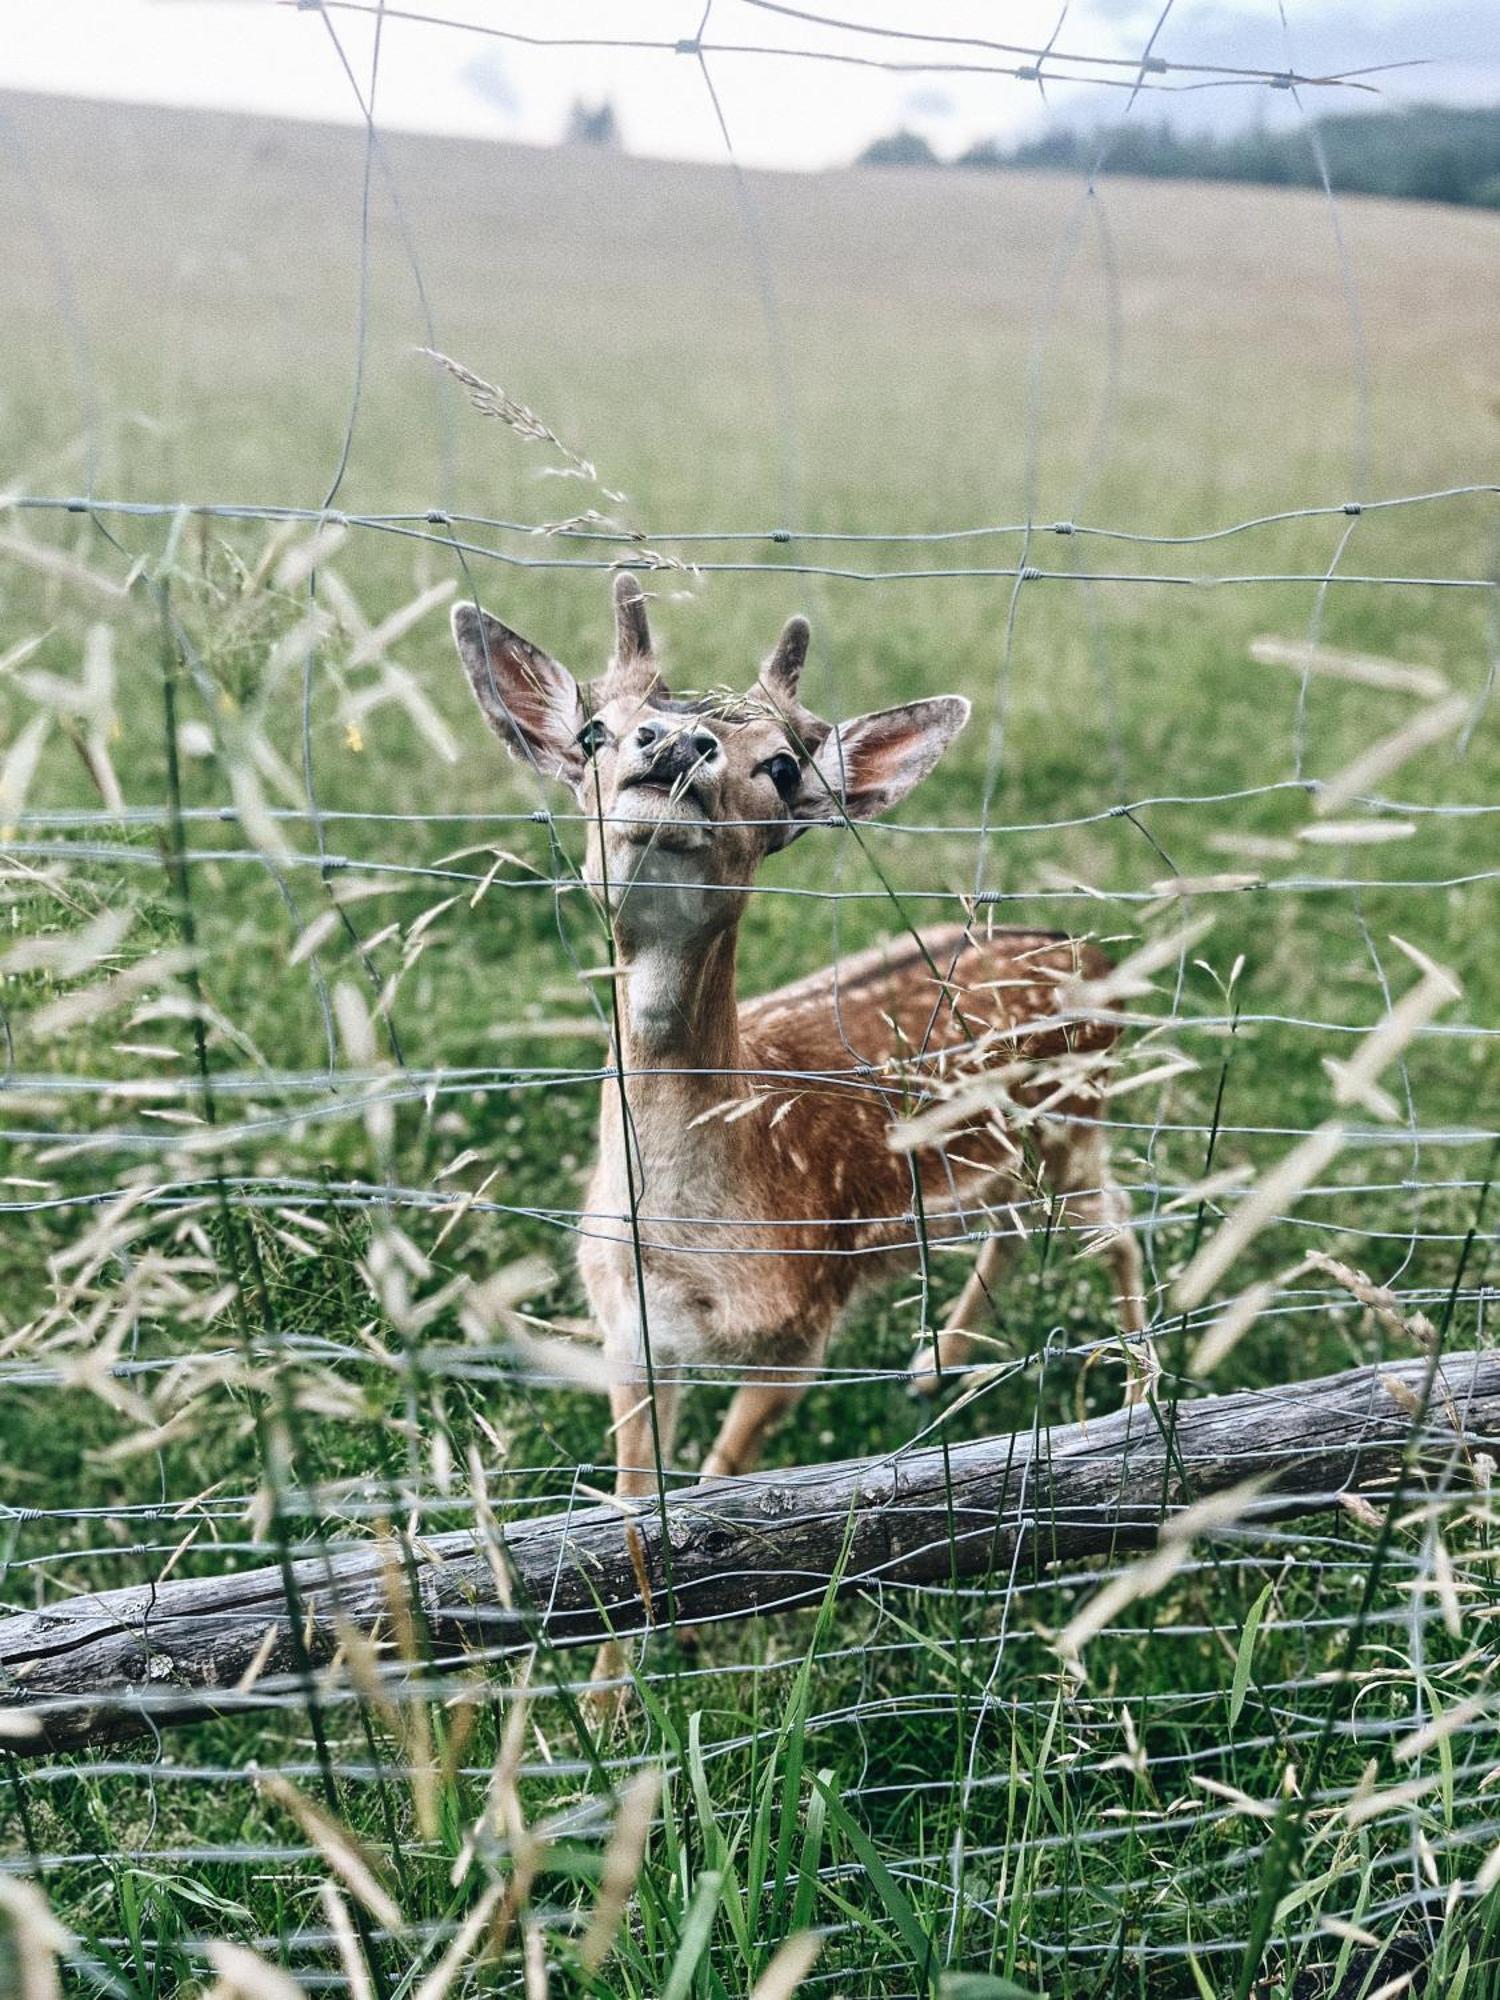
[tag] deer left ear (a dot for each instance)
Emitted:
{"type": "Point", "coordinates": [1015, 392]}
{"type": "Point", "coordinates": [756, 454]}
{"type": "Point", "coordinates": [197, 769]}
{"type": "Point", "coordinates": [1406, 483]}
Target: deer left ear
{"type": "Point", "coordinates": [867, 766]}
{"type": "Point", "coordinates": [533, 704]}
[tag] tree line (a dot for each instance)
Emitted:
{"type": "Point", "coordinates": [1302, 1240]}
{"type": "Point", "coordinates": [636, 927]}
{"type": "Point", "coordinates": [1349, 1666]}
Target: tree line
{"type": "Point", "coordinates": [1424, 152]}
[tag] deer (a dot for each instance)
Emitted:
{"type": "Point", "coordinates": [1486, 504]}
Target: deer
{"type": "Point", "coordinates": [750, 1183]}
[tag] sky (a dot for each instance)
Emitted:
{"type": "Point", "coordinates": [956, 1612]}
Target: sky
{"type": "Point", "coordinates": [292, 58]}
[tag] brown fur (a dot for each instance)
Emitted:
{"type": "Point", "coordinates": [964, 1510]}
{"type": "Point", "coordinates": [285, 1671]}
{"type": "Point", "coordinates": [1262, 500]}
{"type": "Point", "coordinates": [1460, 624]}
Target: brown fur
{"type": "Point", "coordinates": [760, 1188]}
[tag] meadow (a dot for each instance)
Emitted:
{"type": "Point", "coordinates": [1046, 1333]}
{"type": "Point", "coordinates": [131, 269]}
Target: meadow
{"type": "Point", "coordinates": [236, 1253]}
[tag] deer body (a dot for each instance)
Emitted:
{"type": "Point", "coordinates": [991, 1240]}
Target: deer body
{"type": "Point", "coordinates": [747, 1186]}
{"type": "Point", "coordinates": [762, 1195]}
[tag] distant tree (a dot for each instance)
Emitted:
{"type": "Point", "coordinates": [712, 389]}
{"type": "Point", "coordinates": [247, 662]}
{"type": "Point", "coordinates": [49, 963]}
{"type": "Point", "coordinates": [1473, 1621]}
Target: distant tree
{"type": "Point", "coordinates": [1053, 149]}
{"type": "Point", "coordinates": [899, 149]}
{"type": "Point", "coordinates": [1422, 152]}
{"type": "Point", "coordinates": [594, 125]}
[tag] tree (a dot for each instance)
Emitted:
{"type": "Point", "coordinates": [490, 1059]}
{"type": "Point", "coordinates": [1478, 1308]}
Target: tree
{"type": "Point", "coordinates": [593, 125]}
{"type": "Point", "coordinates": [899, 149]}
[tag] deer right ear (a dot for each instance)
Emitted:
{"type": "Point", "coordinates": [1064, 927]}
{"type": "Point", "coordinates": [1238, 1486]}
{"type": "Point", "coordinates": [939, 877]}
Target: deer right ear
{"type": "Point", "coordinates": [533, 705]}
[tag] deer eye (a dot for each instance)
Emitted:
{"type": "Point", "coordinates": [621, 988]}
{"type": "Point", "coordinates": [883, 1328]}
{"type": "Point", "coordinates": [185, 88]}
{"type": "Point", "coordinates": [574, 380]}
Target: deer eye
{"type": "Point", "coordinates": [785, 774]}
{"type": "Point", "coordinates": [593, 737]}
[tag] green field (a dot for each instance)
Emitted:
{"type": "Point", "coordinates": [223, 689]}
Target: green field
{"type": "Point", "coordinates": [187, 317]}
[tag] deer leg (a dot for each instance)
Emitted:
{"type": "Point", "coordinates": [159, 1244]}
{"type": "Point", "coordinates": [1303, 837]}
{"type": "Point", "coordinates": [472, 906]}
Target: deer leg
{"type": "Point", "coordinates": [953, 1346]}
{"type": "Point", "coordinates": [636, 1437]}
{"type": "Point", "coordinates": [1104, 1205]}
{"type": "Point", "coordinates": [1142, 1366]}
{"type": "Point", "coordinates": [754, 1408]}
{"type": "Point", "coordinates": [636, 1440]}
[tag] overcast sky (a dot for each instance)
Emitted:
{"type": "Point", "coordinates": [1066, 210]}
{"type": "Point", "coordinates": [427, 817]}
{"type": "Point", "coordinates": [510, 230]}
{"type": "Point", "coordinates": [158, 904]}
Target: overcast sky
{"type": "Point", "coordinates": [280, 57]}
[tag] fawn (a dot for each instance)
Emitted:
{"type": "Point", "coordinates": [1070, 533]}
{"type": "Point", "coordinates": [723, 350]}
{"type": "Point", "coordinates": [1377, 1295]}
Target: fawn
{"type": "Point", "coordinates": [747, 1187]}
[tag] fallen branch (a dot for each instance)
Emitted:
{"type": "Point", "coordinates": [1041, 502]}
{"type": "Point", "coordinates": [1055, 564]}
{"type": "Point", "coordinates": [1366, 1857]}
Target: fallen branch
{"type": "Point", "coordinates": [99, 1667]}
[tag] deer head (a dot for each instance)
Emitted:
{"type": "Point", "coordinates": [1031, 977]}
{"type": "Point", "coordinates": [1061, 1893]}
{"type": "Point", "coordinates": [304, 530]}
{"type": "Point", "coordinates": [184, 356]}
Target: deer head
{"type": "Point", "coordinates": [686, 798]}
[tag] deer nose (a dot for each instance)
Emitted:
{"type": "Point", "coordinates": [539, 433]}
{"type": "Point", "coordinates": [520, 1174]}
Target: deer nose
{"type": "Point", "coordinates": [681, 748]}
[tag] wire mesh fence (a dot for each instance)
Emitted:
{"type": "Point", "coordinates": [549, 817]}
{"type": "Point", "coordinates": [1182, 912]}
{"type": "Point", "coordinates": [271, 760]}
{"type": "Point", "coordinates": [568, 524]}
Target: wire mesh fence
{"type": "Point", "coordinates": [311, 1003]}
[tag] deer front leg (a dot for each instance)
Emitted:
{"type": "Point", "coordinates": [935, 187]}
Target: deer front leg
{"type": "Point", "coordinates": [636, 1441]}
{"type": "Point", "coordinates": [1142, 1364]}
{"type": "Point", "coordinates": [753, 1409]}
{"type": "Point", "coordinates": [955, 1344]}
{"type": "Point", "coordinates": [1094, 1199]}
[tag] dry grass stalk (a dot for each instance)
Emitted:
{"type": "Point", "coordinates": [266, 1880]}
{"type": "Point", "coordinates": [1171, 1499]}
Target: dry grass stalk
{"type": "Point", "coordinates": [788, 1968]}
{"type": "Point", "coordinates": [1141, 1579]}
{"type": "Point", "coordinates": [22, 651]}
{"type": "Point", "coordinates": [1365, 1804]}
{"type": "Point", "coordinates": [1402, 1983]}
{"type": "Point", "coordinates": [534, 1960]}
{"type": "Point", "coordinates": [314, 936]}
{"type": "Point", "coordinates": [622, 1864]}
{"type": "Point", "coordinates": [1356, 1082]}
{"type": "Point", "coordinates": [410, 1719]}
{"type": "Point", "coordinates": [85, 708]}
{"type": "Point", "coordinates": [17, 769]}
{"type": "Point", "coordinates": [1339, 1928]}
{"type": "Point", "coordinates": [564, 1361]}
{"type": "Point", "coordinates": [339, 1848]}
{"type": "Point", "coordinates": [1154, 1571]}
{"type": "Point", "coordinates": [357, 1033]}
{"type": "Point", "coordinates": [1364, 669]}
{"type": "Point", "coordinates": [491, 401]}
{"type": "Point", "coordinates": [1449, 1723]}
{"type": "Point", "coordinates": [380, 638]}
{"type": "Point", "coordinates": [1226, 1180]}
{"type": "Point", "coordinates": [1252, 846]}
{"type": "Point", "coordinates": [487, 1527]}
{"type": "Point", "coordinates": [245, 1975]}
{"type": "Point", "coordinates": [589, 519]}
{"type": "Point", "coordinates": [351, 1958]}
{"type": "Point", "coordinates": [1358, 1508]}
{"type": "Point", "coordinates": [1357, 832]}
{"type": "Point", "coordinates": [1445, 1588]}
{"type": "Point", "coordinates": [258, 1659]}
{"type": "Point", "coordinates": [91, 1003]}
{"type": "Point", "coordinates": [1273, 1192]}
{"type": "Point", "coordinates": [1403, 1396]}
{"type": "Point", "coordinates": [1379, 1299]}
{"type": "Point", "coordinates": [69, 954]}
{"type": "Point", "coordinates": [62, 567]}
{"type": "Point", "coordinates": [637, 1550]}
{"type": "Point", "coordinates": [37, 1939]}
{"type": "Point", "coordinates": [298, 564]}
{"type": "Point", "coordinates": [994, 1091]}
{"type": "Point", "coordinates": [395, 684]}
{"type": "Point", "coordinates": [437, 1983]}
{"type": "Point", "coordinates": [1224, 1334]}
{"type": "Point", "coordinates": [1242, 1802]}
{"type": "Point", "coordinates": [1134, 976]}
{"type": "Point", "coordinates": [256, 822]}
{"type": "Point", "coordinates": [1205, 885]}
{"type": "Point", "coordinates": [1427, 727]}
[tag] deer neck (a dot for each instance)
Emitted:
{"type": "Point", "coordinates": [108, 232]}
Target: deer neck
{"type": "Point", "coordinates": [679, 1018]}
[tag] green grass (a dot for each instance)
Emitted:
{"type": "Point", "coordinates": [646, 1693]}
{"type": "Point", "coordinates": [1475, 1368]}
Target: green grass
{"type": "Point", "coordinates": [204, 349]}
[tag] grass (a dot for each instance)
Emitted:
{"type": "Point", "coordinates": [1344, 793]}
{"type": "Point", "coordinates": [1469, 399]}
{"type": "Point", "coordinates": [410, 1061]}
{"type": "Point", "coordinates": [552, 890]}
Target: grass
{"type": "Point", "coordinates": [947, 361]}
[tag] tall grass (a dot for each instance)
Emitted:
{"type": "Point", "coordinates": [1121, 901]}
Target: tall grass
{"type": "Point", "coordinates": [299, 1103]}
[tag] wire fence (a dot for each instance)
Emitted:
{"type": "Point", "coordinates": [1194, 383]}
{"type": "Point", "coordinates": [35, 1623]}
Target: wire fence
{"type": "Point", "coordinates": [302, 1080]}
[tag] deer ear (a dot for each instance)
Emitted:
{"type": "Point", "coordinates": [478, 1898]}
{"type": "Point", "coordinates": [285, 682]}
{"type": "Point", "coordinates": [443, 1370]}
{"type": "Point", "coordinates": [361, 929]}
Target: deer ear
{"type": "Point", "coordinates": [533, 705]}
{"type": "Point", "coordinates": [866, 766]}
{"type": "Point", "coordinates": [783, 670]}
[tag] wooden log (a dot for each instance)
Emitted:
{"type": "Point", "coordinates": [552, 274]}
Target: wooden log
{"type": "Point", "coordinates": [95, 1668]}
